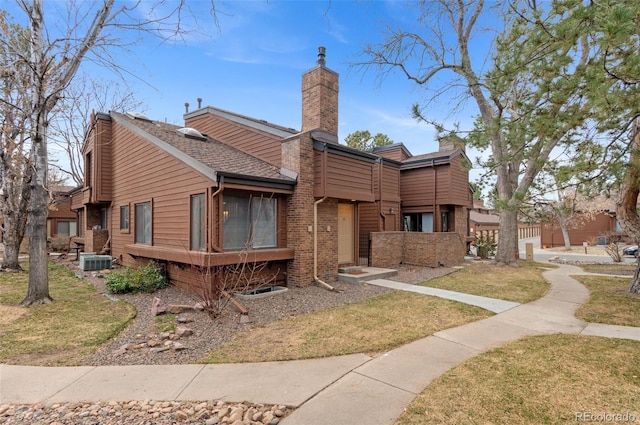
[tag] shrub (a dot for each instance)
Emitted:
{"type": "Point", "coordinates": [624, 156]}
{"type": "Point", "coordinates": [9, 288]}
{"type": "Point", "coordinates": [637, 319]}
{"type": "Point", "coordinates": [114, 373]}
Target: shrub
{"type": "Point", "coordinates": [144, 279]}
{"type": "Point", "coordinates": [59, 244]}
{"type": "Point", "coordinates": [486, 246]}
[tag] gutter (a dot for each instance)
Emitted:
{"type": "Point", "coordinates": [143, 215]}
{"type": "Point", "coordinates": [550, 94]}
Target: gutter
{"type": "Point", "coordinates": [315, 248]}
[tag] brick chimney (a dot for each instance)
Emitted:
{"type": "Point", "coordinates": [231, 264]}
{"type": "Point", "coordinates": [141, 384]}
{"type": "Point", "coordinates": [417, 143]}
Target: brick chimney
{"type": "Point", "coordinates": [451, 142]}
{"type": "Point", "coordinates": [320, 97]}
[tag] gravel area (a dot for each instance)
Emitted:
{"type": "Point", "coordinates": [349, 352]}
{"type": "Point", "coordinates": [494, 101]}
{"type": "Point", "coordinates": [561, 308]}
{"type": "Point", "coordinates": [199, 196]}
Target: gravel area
{"type": "Point", "coordinates": [132, 347]}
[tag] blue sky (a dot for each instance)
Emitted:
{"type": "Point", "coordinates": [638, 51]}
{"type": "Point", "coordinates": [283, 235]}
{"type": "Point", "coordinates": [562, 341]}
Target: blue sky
{"type": "Point", "coordinates": [252, 63]}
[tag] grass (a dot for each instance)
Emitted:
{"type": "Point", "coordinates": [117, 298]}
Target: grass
{"type": "Point", "coordinates": [166, 323]}
{"type": "Point", "coordinates": [375, 325]}
{"type": "Point", "coordinates": [610, 268]}
{"type": "Point", "coordinates": [518, 284]}
{"type": "Point", "coordinates": [382, 323]}
{"type": "Point", "coordinates": [542, 380]}
{"type": "Point", "coordinates": [60, 333]}
{"type": "Point", "coordinates": [609, 301]}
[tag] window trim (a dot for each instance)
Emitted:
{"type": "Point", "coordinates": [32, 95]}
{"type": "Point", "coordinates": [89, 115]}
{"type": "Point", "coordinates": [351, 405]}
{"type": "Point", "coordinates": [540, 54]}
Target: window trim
{"type": "Point", "coordinates": [203, 222]}
{"type": "Point", "coordinates": [127, 216]}
{"type": "Point", "coordinates": [135, 224]}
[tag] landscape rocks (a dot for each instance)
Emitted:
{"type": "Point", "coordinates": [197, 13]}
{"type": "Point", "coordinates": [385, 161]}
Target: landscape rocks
{"type": "Point", "coordinates": [160, 343]}
{"type": "Point", "coordinates": [144, 412]}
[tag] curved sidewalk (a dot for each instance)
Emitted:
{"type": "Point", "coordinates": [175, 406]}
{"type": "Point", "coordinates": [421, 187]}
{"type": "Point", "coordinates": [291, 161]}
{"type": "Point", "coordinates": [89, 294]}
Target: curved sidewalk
{"type": "Point", "coordinates": [353, 389]}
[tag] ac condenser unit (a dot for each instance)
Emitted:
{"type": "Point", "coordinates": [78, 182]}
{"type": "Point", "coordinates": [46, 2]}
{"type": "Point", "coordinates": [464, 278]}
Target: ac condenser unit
{"type": "Point", "coordinates": [95, 262]}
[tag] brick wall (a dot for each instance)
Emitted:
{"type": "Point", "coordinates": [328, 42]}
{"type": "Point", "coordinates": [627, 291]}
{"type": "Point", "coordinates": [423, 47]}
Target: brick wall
{"type": "Point", "coordinates": [389, 249]}
{"type": "Point", "coordinates": [320, 100]}
{"type": "Point", "coordinates": [94, 240]}
{"type": "Point", "coordinates": [328, 240]}
{"type": "Point", "coordinates": [297, 155]}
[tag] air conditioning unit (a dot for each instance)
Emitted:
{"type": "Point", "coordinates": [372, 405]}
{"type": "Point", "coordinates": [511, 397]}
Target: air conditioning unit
{"type": "Point", "coordinates": [95, 262]}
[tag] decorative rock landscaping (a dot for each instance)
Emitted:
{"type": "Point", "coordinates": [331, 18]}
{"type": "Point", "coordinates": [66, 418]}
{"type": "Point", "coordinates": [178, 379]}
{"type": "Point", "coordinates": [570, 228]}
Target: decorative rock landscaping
{"type": "Point", "coordinates": [143, 413]}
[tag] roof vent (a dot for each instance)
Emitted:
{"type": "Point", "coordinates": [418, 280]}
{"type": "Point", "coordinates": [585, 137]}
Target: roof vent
{"type": "Point", "coordinates": [138, 116]}
{"type": "Point", "coordinates": [191, 133]}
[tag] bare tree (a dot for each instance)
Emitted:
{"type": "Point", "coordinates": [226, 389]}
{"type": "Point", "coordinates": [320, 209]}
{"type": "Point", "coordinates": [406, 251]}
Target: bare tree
{"type": "Point", "coordinates": [15, 172]}
{"type": "Point", "coordinates": [535, 79]}
{"type": "Point", "coordinates": [73, 117]}
{"type": "Point", "coordinates": [53, 58]}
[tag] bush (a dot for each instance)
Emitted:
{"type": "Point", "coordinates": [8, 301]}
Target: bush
{"type": "Point", "coordinates": [486, 246]}
{"type": "Point", "coordinates": [144, 279]}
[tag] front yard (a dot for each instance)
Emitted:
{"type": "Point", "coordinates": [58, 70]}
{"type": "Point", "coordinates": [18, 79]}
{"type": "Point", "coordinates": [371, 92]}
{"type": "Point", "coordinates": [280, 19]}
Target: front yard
{"type": "Point", "coordinates": [547, 379]}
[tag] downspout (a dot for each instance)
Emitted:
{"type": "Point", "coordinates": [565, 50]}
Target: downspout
{"type": "Point", "coordinates": [315, 248]}
{"type": "Point", "coordinates": [214, 247]}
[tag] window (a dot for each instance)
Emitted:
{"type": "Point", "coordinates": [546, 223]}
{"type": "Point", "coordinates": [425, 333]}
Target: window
{"type": "Point", "coordinates": [124, 217]}
{"type": "Point", "coordinates": [143, 223]}
{"type": "Point", "coordinates": [444, 221]}
{"type": "Point", "coordinates": [87, 171]}
{"type": "Point", "coordinates": [66, 228]}
{"type": "Point", "coordinates": [198, 222]}
{"type": "Point", "coordinates": [418, 222]}
{"type": "Point", "coordinates": [249, 222]}
{"type": "Point", "coordinates": [104, 218]}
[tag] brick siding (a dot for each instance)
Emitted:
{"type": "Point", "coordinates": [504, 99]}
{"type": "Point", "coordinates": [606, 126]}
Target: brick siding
{"type": "Point", "coordinates": [390, 249]}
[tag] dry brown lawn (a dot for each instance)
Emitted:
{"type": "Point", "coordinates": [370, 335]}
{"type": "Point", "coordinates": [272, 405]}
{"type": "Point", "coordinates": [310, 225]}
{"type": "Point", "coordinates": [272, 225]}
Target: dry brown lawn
{"type": "Point", "coordinates": [555, 379]}
{"type": "Point", "coordinates": [59, 333]}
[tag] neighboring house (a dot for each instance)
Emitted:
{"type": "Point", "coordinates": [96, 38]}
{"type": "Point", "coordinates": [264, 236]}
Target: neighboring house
{"type": "Point", "coordinates": [227, 188]}
{"type": "Point", "coordinates": [61, 220]}
{"type": "Point", "coordinates": [596, 230]}
{"type": "Point", "coordinates": [483, 222]}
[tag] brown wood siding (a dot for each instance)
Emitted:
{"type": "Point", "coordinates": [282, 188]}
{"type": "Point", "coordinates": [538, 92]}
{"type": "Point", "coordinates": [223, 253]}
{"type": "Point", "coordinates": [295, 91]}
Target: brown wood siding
{"type": "Point", "coordinates": [369, 220]}
{"type": "Point", "coordinates": [341, 177]}
{"type": "Point", "coordinates": [602, 225]}
{"type": "Point", "coordinates": [417, 187]}
{"type": "Point", "coordinates": [254, 142]}
{"type": "Point", "coordinates": [459, 186]}
{"type": "Point", "coordinates": [395, 153]}
{"type": "Point", "coordinates": [390, 185]}
{"type": "Point", "coordinates": [141, 173]}
{"type": "Point", "coordinates": [443, 184]}
{"type": "Point", "coordinates": [102, 153]}
{"type": "Point", "coordinates": [377, 177]}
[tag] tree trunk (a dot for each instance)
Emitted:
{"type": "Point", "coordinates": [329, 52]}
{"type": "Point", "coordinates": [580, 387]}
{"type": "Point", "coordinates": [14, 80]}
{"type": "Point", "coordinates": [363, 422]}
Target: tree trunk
{"type": "Point", "coordinates": [627, 202]}
{"type": "Point", "coordinates": [565, 233]}
{"type": "Point", "coordinates": [12, 243]}
{"type": "Point", "coordinates": [16, 201]}
{"type": "Point", "coordinates": [507, 252]}
{"type": "Point", "coordinates": [38, 292]}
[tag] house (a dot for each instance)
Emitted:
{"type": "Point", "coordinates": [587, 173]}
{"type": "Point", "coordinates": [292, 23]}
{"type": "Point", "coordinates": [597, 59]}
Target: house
{"type": "Point", "coordinates": [227, 189]}
{"type": "Point", "coordinates": [61, 219]}
{"type": "Point", "coordinates": [597, 229]}
{"type": "Point", "coordinates": [484, 222]}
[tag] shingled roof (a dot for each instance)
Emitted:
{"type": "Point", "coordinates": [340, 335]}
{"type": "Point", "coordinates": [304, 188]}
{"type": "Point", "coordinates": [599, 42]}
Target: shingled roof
{"type": "Point", "coordinates": [217, 157]}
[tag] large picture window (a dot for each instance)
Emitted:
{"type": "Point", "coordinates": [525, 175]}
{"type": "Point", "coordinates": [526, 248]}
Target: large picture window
{"type": "Point", "coordinates": [143, 223]}
{"type": "Point", "coordinates": [249, 222]}
{"type": "Point", "coordinates": [198, 222]}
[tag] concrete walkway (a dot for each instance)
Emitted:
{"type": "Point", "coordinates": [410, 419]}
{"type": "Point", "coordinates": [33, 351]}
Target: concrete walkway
{"type": "Point", "coordinates": [354, 389]}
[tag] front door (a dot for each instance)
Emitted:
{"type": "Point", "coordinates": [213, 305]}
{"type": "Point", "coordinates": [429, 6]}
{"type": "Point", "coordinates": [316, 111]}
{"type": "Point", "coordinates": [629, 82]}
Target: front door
{"type": "Point", "coordinates": [346, 233]}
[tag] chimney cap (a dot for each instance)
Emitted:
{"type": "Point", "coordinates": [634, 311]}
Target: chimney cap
{"type": "Point", "coordinates": [322, 52]}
